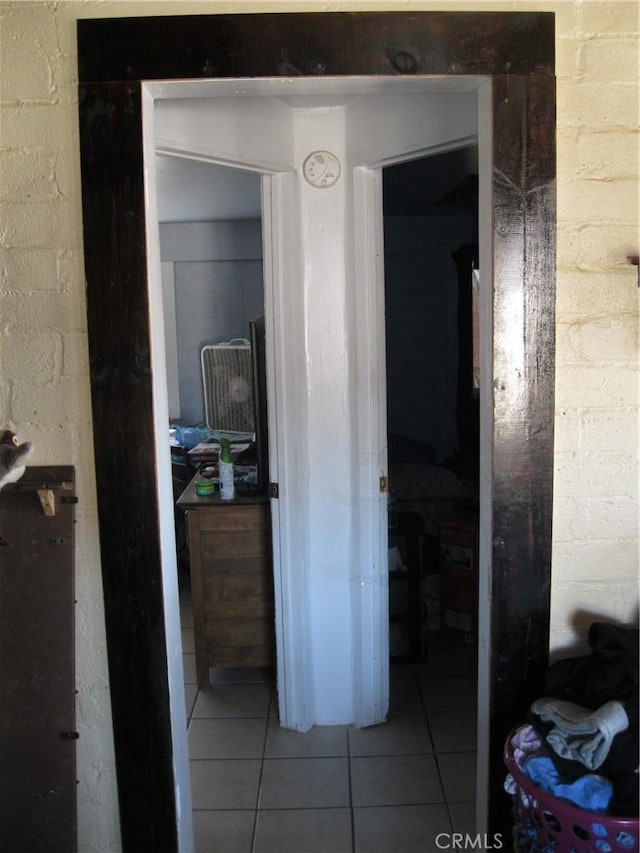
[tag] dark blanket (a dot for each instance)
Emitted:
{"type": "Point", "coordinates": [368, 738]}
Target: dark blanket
{"type": "Point", "coordinates": [609, 672]}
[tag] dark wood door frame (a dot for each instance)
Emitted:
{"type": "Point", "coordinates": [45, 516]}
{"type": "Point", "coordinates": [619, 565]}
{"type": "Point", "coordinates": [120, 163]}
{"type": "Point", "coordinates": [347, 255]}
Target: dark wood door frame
{"type": "Point", "coordinates": [516, 51]}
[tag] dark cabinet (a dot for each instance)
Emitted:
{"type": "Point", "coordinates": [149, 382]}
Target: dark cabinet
{"type": "Point", "coordinates": [37, 664]}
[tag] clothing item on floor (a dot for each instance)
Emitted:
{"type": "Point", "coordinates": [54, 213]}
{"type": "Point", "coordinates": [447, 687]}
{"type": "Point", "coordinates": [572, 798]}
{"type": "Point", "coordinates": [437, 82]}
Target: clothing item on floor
{"type": "Point", "coordinates": [587, 720]}
{"type": "Point", "coordinates": [609, 672]}
{"type": "Point", "coordinates": [622, 758]}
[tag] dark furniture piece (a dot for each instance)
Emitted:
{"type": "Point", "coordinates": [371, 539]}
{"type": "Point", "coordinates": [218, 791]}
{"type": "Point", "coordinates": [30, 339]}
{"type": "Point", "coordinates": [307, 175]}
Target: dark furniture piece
{"type": "Point", "coordinates": [37, 663]}
{"type": "Point", "coordinates": [231, 580]}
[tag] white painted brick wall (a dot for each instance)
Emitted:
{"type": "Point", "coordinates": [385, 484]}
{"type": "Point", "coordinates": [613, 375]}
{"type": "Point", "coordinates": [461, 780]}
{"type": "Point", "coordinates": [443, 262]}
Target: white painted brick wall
{"type": "Point", "coordinates": [595, 553]}
{"type": "Point", "coordinates": [44, 384]}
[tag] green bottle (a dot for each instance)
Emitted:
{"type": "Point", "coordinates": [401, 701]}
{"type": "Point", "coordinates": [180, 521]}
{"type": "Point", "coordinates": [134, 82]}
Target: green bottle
{"type": "Point", "coordinates": [225, 468]}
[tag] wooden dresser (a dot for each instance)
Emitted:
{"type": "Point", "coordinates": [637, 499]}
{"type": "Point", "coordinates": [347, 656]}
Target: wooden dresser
{"type": "Point", "coordinates": [231, 580]}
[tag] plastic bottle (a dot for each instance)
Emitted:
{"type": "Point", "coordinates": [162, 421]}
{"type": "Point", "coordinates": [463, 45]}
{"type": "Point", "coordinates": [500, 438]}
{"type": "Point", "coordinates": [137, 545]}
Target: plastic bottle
{"type": "Point", "coordinates": [225, 467]}
{"type": "Point", "coordinates": [205, 487]}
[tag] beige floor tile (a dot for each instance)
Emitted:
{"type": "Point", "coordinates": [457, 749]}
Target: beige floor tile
{"type": "Point", "coordinates": [444, 661]}
{"type": "Point", "coordinates": [319, 742]}
{"type": "Point", "coordinates": [400, 829]}
{"type": "Point", "coordinates": [458, 774]}
{"type": "Point", "coordinates": [402, 735]}
{"type": "Point", "coordinates": [223, 831]}
{"type": "Point", "coordinates": [234, 700]}
{"type": "Point", "coordinates": [303, 831]}
{"type": "Point", "coordinates": [452, 693]}
{"type": "Point", "coordinates": [463, 818]}
{"type": "Point", "coordinates": [453, 731]}
{"type": "Point", "coordinates": [224, 784]}
{"type": "Point", "coordinates": [237, 738]}
{"type": "Point", "coordinates": [404, 691]}
{"type": "Point", "coordinates": [299, 783]}
{"type": "Point", "coordinates": [395, 780]}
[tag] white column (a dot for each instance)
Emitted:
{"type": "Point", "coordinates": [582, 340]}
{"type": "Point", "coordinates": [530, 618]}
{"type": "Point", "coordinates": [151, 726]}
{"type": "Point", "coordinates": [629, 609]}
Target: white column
{"type": "Point", "coordinates": [329, 371]}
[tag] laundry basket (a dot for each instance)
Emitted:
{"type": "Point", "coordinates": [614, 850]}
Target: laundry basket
{"type": "Point", "coordinates": [544, 824]}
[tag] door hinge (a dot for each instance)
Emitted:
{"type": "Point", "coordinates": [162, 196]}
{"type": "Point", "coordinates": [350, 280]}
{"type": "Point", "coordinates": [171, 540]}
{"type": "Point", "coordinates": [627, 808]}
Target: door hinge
{"type": "Point", "coordinates": [384, 484]}
{"type": "Point", "coordinates": [273, 490]}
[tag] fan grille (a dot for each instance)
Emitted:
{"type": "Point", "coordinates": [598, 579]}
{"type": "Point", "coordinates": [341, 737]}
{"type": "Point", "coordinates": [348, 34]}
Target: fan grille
{"type": "Point", "coordinates": [228, 388]}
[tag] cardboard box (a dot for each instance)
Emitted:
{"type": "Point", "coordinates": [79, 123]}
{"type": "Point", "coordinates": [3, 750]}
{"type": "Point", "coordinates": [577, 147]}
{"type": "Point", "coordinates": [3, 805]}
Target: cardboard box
{"type": "Point", "coordinates": [459, 579]}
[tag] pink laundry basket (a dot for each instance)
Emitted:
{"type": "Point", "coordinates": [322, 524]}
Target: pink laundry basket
{"type": "Point", "coordinates": [544, 824]}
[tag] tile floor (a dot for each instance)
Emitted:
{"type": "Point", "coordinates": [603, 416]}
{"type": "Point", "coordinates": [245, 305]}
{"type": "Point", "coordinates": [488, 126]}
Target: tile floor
{"type": "Point", "coordinates": [258, 788]}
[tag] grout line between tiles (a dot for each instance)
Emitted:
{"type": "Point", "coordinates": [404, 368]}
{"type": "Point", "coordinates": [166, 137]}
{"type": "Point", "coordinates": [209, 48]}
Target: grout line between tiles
{"type": "Point", "coordinates": [435, 753]}
{"type": "Point", "coordinates": [254, 832]}
{"type": "Point", "coordinates": [351, 812]}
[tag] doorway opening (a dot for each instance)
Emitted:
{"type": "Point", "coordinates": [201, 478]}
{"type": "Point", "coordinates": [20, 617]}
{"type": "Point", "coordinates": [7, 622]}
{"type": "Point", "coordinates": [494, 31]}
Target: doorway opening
{"type": "Point", "coordinates": [420, 116]}
{"type": "Point", "coordinates": [210, 290]}
{"type": "Point", "coordinates": [430, 208]}
{"type": "Point", "coordinates": [210, 237]}
{"type": "Point", "coordinates": [116, 57]}
{"type": "Point", "coordinates": [432, 341]}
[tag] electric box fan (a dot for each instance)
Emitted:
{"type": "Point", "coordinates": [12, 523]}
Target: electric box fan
{"type": "Point", "coordinates": [228, 387]}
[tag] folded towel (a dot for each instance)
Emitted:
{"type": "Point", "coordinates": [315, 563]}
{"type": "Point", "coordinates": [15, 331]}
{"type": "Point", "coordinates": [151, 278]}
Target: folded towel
{"type": "Point", "coordinates": [581, 734]}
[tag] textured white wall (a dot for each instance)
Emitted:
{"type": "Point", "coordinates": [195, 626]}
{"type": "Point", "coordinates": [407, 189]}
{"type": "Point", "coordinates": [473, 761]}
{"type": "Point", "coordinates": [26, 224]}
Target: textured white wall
{"type": "Point", "coordinates": [595, 541]}
{"type": "Point", "coordinates": [44, 382]}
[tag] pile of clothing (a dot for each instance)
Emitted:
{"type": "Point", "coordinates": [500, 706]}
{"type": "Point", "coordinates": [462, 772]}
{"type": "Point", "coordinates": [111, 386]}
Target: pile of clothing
{"type": "Point", "coordinates": [580, 742]}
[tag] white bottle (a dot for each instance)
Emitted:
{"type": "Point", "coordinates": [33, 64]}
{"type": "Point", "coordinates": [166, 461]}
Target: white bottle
{"type": "Point", "coordinates": [225, 469]}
